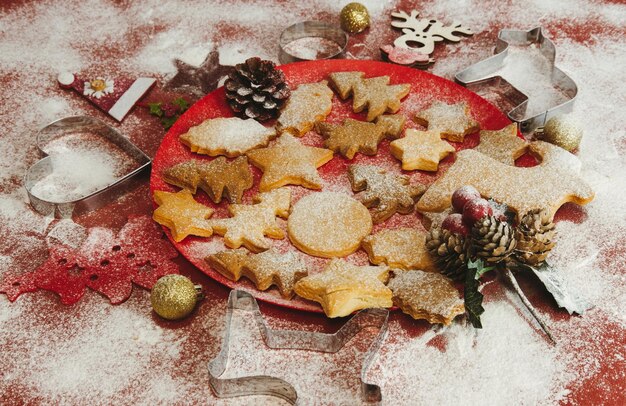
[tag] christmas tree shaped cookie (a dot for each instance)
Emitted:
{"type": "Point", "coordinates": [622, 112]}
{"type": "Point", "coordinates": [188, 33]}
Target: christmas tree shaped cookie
{"type": "Point", "coordinates": [249, 224]}
{"type": "Point", "coordinates": [217, 178]}
{"type": "Point", "coordinates": [288, 162]}
{"type": "Point", "coordinates": [360, 136]}
{"type": "Point", "coordinates": [374, 94]}
{"type": "Point", "coordinates": [264, 270]}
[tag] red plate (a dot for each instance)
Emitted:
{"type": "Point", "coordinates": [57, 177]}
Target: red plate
{"type": "Point", "coordinates": [425, 88]}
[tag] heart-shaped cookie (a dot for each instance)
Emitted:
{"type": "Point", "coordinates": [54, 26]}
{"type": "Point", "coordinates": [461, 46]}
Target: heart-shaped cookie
{"type": "Point", "coordinates": [86, 164]}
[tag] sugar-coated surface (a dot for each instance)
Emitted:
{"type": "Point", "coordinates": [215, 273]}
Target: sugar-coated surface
{"type": "Point", "coordinates": [97, 353]}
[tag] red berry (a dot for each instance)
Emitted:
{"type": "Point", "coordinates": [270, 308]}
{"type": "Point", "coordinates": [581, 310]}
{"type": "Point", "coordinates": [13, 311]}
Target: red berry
{"type": "Point", "coordinates": [464, 195]}
{"type": "Point", "coordinates": [454, 223]}
{"type": "Point", "coordinates": [476, 210]}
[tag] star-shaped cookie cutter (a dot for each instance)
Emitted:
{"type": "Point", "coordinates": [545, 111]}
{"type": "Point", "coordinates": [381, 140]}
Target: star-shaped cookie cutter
{"type": "Point", "coordinates": [291, 339]}
{"type": "Point", "coordinates": [480, 75]}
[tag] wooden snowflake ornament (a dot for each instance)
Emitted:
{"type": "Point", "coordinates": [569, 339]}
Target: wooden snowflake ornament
{"type": "Point", "coordinates": [425, 32]}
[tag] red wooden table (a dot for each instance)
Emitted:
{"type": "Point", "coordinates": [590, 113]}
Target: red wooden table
{"type": "Point", "coordinates": [94, 352]}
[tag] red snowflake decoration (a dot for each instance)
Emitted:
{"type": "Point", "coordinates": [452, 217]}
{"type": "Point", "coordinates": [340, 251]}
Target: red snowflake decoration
{"type": "Point", "coordinates": [105, 263]}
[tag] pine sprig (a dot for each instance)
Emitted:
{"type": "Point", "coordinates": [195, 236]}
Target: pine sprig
{"type": "Point", "coordinates": [473, 298]}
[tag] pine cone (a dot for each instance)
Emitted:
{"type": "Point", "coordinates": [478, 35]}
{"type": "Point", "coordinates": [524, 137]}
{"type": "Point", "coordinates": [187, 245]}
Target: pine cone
{"type": "Point", "coordinates": [256, 89]}
{"type": "Point", "coordinates": [535, 237]}
{"type": "Point", "coordinates": [493, 240]}
{"type": "Point", "coordinates": [449, 251]}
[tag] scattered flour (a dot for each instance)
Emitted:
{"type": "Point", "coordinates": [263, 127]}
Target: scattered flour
{"type": "Point", "coordinates": [94, 352]}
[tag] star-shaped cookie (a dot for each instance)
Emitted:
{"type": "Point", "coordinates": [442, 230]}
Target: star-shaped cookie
{"type": "Point", "coordinates": [386, 193]}
{"type": "Point", "coordinates": [426, 295]}
{"type": "Point", "coordinates": [420, 150]}
{"type": "Point", "coordinates": [288, 162]}
{"type": "Point", "coordinates": [360, 136]}
{"type": "Point", "coordinates": [249, 224]}
{"type": "Point", "coordinates": [503, 145]}
{"type": "Point", "coordinates": [403, 248]}
{"type": "Point", "coordinates": [264, 270]}
{"type": "Point", "coordinates": [217, 178]}
{"type": "Point", "coordinates": [182, 214]}
{"type": "Point", "coordinates": [307, 105]}
{"type": "Point", "coordinates": [374, 94]}
{"type": "Point", "coordinates": [452, 121]}
{"type": "Point", "coordinates": [344, 288]}
{"type": "Point", "coordinates": [230, 136]}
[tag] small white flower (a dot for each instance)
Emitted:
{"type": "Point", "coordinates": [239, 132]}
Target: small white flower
{"type": "Point", "coordinates": [98, 87]}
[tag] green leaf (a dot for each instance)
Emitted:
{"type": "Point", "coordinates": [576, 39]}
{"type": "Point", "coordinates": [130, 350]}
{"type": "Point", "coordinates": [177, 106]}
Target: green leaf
{"type": "Point", "coordinates": [168, 121]}
{"type": "Point", "coordinates": [479, 267]}
{"type": "Point", "coordinates": [155, 109]}
{"type": "Point", "coordinates": [473, 298]}
{"type": "Point", "coordinates": [182, 104]}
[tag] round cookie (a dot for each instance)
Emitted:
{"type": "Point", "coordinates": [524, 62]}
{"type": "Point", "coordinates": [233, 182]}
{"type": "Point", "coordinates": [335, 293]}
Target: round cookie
{"type": "Point", "coordinates": [328, 224]}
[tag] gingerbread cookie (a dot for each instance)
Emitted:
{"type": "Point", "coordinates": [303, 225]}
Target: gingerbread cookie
{"type": "Point", "coordinates": [227, 136]}
{"type": "Point", "coordinates": [217, 178]}
{"type": "Point", "coordinates": [387, 193]}
{"type": "Point", "coordinates": [309, 103]}
{"type": "Point", "coordinates": [403, 248]}
{"type": "Point", "coordinates": [249, 224]}
{"type": "Point", "coordinates": [452, 121]}
{"type": "Point", "coordinates": [420, 150]}
{"type": "Point", "coordinates": [359, 136]}
{"type": "Point", "coordinates": [344, 288]}
{"type": "Point", "coordinates": [426, 295]}
{"type": "Point", "coordinates": [264, 270]}
{"type": "Point", "coordinates": [328, 224]}
{"type": "Point", "coordinates": [502, 145]}
{"type": "Point", "coordinates": [375, 94]}
{"type": "Point", "coordinates": [288, 162]}
{"type": "Point", "coordinates": [549, 185]}
{"type": "Point", "coordinates": [182, 214]}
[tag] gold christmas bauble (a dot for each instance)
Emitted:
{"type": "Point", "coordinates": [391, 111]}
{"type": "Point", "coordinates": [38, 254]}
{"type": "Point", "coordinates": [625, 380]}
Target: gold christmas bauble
{"type": "Point", "coordinates": [174, 297]}
{"type": "Point", "coordinates": [564, 131]}
{"type": "Point", "coordinates": [354, 17]}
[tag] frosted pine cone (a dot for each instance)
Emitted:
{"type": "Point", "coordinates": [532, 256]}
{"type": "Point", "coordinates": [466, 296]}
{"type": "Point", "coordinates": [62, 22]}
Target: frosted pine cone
{"type": "Point", "coordinates": [535, 237]}
{"type": "Point", "coordinates": [449, 251]}
{"type": "Point", "coordinates": [493, 240]}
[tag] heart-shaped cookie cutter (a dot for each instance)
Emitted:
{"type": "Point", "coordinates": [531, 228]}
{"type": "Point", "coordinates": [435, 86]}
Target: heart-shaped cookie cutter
{"type": "Point", "coordinates": [291, 339]}
{"type": "Point", "coordinates": [479, 75]}
{"type": "Point", "coordinates": [64, 208]}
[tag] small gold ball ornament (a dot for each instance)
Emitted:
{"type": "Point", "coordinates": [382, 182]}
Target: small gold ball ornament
{"type": "Point", "coordinates": [354, 18]}
{"type": "Point", "coordinates": [174, 297]}
{"type": "Point", "coordinates": [564, 131]}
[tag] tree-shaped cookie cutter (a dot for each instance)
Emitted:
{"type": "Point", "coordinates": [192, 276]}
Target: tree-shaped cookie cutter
{"type": "Point", "coordinates": [291, 339]}
{"type": "Point", "coordinates": [480, 75]}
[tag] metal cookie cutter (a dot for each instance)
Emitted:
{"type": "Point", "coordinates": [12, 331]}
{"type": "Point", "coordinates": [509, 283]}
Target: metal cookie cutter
{"type": "Point", "coordinates": [480, 75]}
{"type": "Point", "coordinates": [66, 207]}
{"type": "Point", "coordinates": [289, 339]}
{"type": "Point", "coordinates": [312, 29]}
